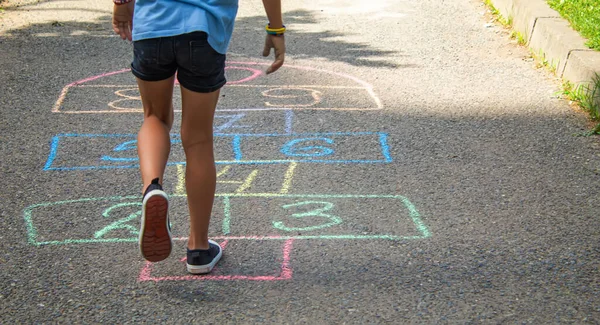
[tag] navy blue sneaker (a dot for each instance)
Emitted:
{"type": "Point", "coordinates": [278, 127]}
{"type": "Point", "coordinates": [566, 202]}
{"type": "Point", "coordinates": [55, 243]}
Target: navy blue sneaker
{"type": "Point", "coordinates": [155, 231]}
{"type": "Point", "coordinates": [202, 261]}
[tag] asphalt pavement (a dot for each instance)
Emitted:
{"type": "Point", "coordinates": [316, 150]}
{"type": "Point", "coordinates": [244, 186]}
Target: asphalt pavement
{"type": "Point", "coordinates": [409, 164]}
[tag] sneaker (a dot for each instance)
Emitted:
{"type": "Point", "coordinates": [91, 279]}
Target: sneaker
{"type": "Point", "coordinates": [201, 261]}
{"type": "Point", "coordinates": [155, 230]}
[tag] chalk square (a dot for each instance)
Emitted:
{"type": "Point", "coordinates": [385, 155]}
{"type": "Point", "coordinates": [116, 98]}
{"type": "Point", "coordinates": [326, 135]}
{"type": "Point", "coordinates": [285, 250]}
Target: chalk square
{"type": "Point", "coordinates": [230, 261]}
{"type": "Point", "coordinates": [96, 220]}
{"type": "Point", "coordinates": [332, 147]}
{"type": "Point", "coordinates": [321, 216]}
{"type": "Point", "coordinates": [115, 151]}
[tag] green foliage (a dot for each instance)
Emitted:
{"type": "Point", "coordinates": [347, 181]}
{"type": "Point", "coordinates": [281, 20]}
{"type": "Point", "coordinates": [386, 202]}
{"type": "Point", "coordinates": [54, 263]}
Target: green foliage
{"type": "Point", "coordinates": [588, 98]}
{"type": "Point", "coordinates": [493, 9]}
{"type": "Point", "coordinates": [519, 37]}
{"type": "Point", "coordinates": [504, 21]}
{"type": "Point", "coordinates": [584, 16]}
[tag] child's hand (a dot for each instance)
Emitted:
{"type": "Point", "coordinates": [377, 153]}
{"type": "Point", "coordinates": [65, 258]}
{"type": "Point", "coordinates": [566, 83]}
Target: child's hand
{"type": "Point", "coordinates": [276, 42]}
{"type": "Point", "coordinates": [123, 19]}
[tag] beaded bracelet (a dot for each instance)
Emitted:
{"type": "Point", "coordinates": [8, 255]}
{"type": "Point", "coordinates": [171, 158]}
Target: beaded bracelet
{"type": "Point", "coordinates": [275, 31]}
{"type": "Point", "coordinates": [121, 2]}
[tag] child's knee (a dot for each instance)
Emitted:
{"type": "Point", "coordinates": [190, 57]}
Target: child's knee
{"type": "Point", "coordinates": [164, 117]}
{"type": "Point", "coordinates": [196, 139]}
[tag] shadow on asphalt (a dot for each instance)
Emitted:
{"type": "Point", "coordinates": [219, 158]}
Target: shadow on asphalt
{"type": "Point", "coordinates": [313, 45]}
{"type": "Point", "coordinates": [247, 40]}
{"type": "Point", "coordinates": [6, 4]}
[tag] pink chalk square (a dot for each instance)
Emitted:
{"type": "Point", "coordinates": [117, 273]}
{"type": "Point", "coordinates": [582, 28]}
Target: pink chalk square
{"type": "Point", "coordinates": [242, 260]}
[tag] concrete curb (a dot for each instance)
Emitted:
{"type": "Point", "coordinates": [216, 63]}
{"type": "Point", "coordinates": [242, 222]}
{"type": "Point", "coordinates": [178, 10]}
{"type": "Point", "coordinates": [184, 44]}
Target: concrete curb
{"type": "Point", "coordinates": [547, 33]}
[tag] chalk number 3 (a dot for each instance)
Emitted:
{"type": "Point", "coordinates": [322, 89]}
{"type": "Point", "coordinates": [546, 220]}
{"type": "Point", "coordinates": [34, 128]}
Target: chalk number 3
{"type": "Point", "coordinates": [319, 212]}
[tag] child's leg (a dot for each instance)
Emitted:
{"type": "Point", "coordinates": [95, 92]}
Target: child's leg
{"type": "Point", "coordinates": [200, 173]}
{"type": "Point", "coordinates": [154, 142]}
{"type": "Point", "coordinates": [153, 149]}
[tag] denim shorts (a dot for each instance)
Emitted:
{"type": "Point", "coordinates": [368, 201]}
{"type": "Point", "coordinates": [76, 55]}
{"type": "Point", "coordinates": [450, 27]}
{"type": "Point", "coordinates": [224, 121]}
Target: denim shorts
{"type": "Point", "coordinates": [199, 67]}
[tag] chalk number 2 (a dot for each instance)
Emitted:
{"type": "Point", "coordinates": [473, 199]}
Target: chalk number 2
{"type": "Point", "coordinates": [318, 212]}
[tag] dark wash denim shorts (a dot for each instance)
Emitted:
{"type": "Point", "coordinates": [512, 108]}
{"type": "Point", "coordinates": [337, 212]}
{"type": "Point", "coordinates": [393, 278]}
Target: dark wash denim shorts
{"type": "Point", "coordinates": [199, 67]}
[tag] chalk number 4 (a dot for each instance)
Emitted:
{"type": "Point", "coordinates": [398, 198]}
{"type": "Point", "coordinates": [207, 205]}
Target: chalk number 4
{"type": "Point", "coordinates": [319, 212]}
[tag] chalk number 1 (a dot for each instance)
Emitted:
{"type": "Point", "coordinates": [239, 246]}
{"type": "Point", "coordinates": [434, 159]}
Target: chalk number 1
{"type": "Point", "coordinates": [318, 212]}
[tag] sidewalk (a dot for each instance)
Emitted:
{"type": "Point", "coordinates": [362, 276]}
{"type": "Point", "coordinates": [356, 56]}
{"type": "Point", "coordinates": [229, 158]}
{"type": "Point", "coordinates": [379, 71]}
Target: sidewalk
{"type": "Point", "coordinates": [550, 35]}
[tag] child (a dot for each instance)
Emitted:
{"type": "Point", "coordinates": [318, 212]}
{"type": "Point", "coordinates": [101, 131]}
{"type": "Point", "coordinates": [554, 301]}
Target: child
{"type": "Point", "coordinates": [189, 37]}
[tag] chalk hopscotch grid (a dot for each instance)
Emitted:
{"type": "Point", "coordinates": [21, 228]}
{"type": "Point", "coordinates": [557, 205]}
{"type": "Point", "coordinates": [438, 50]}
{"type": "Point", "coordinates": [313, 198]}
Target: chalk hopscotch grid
{"type": "Point", "coordinates": [285, 270]}
{"type": "Point", "coordinates": [236, 139]}
{"type": "Point", "coordinates": [231, 65]}
{"type": "Point", "coordinates": [413, 214]}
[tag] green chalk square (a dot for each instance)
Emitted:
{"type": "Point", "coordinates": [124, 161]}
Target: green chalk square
{"type": "Point", "coordinates": [63, 217]}
{"type": "Point", "coordinates": [102, 220]}
{"type": "Point", "coordinates": [320, 216]}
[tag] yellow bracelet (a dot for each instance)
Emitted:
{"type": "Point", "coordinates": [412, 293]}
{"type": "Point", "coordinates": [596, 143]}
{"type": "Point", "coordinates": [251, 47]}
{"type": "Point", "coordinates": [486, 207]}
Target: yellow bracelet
{"type": "Point", "coordinates": [275, 31]}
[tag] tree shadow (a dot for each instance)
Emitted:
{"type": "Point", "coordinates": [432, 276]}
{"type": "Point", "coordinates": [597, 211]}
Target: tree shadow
{"type": "Point", "coordinates": [248, 38]}
{"type": "Point", "coordinates": [16, 4]}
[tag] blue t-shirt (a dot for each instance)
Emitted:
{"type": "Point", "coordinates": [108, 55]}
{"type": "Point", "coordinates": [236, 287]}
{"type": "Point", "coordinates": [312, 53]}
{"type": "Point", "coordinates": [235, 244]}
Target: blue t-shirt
{"type": "Point", "coordinates": [163, 18]}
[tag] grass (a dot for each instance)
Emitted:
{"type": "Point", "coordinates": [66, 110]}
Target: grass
{"type": "Point", "coordinates": [588, 98]}
{"type": "Point", "coordinates": [519, 37]}
{"type": "Point", "coordinates": [507, 22]}
{"type": "Point", "coordinates": [542, 61]}
{"type": "Point", "coordinates": [584, 16]}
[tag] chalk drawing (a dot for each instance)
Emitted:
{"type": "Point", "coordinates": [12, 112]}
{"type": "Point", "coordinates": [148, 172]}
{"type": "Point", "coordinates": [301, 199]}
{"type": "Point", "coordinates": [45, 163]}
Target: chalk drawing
{"type": "Point", "coordinates": [126, 97]}
{"type": "Point", "coordinates": [180, 187]}
{"type": "Point", "coordinates": [230, 122]}
{"type": "Point", "coordinates": [65, 90]}
{"type": "Point", "coordinates": [316, 93]}
{"type": "Point", "coordinates": [290, 148]}
{"type": "Point", "coordinates": [285, 272]}
{"type": "Point", "coordinates": [294, 148]}
{"type": "Point", "coordinates": [227, 216]}
{"type": "Point", "coordinates": [243, 170]}
{"type": "Point", "coordinates": [248, 182]}
{"type": "Point", "coordinates": [289, 121]}
{"type": "Point", "coordinates": [124, 146]}
{"type": "Point", "coordinates": [289, 176]}
{"type": "Point", "coordinates": [35, 214]}
{"type": "Point", "coordinates": [244, 184]}
{"type": "Point", "coordinates": [333, 220]}
{"type": "Point", "coordinates": [121, 223]}
{"type": "Point", "coordinates": [255, 74]}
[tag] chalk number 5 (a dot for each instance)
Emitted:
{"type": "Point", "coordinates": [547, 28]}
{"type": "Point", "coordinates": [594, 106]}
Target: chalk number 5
{"type": "Point", "coordinates": [319, 212]}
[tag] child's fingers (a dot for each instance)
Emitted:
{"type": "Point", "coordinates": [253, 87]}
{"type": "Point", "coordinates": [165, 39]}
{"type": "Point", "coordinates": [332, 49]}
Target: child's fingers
{"type": "Point", "coordinates": [128, 31]}
{"type": "Point", "coordinates": [279, 58]}
{"type": "Point", "coordinates": [276, 64]}
{"type": "Point", "coordinates": [115, 28]}
{"type": "Point", "coordinates": [278, 43]}
{"type": "Point", "coordinates": [123, 30]}
{"type": "Point", "coordinates": [267, 48]}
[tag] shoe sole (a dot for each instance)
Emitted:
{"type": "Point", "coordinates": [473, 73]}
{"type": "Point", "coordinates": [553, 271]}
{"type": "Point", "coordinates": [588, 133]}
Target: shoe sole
{"type": "Point", "coordinates": [203, 269]}
{"type": "Point", "coordinates": [155, 236]}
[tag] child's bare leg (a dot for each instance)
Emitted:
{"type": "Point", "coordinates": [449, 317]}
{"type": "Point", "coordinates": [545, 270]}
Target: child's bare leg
{"type": "Point", "coordinates": [154, 143]}
{"type": "Point", "coordinates": [200, 173]}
